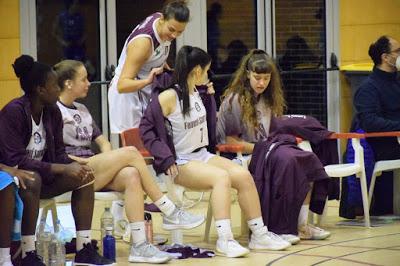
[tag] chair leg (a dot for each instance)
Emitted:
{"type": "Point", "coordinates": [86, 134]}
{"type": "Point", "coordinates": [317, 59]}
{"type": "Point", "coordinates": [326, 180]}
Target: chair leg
{"type": "Point", "coordinates": [54, 216]}
{"type": "Point", "coordinates": [371, 187]}
{"type": "Point", "coordinates": [364, 192]}
{"type": "Point", "coordinates": [45, 210]}
{"type": "Point", "coordinates": [177, 237]}
{"type": "Point", "coordinates": [208, 222]}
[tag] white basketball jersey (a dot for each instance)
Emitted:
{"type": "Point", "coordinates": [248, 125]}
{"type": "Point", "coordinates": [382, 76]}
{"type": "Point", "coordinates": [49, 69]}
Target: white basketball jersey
{"type": "Point", "coordinates": [189, 132]}
{"type": "Point", "coordinates": [126, 109]}
{"type": "Point", "coordinates": [78, 125]}
{"type": "Point", "coordinates": [37, 143]}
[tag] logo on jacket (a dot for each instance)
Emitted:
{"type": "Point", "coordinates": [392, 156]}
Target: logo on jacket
{"type": "Point", "coordinates": [77, 118]}
{"type": "Point", "coordinates": [197, 106]}
{"type": "Point", "coordinates": [37, 138]}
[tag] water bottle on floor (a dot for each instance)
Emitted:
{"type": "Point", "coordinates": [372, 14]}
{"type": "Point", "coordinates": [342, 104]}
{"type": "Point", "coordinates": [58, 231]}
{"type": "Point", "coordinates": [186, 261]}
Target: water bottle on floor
{"type": "Point", "coordinates": [43, 238]}
{"type": "Point", "coordinates": [57, 247]}
{"type": "Point", "coordinates": [107, 222]}
{"type": "Point", "coordinates": [109, 244]}
{"type": "Point", "coordinates": [56, 252]}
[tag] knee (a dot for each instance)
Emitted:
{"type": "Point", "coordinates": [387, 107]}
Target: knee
{"type": "Point", "coordinates": [222, 180]}
{"type": "Point", "coordinates": [132, 180]}
{"type": "Point", "coordinates": [245, 179]}
{"type": "Point", "coordinates": [131, 153]}
{"type": "Point", "coordinates": [34, 186]}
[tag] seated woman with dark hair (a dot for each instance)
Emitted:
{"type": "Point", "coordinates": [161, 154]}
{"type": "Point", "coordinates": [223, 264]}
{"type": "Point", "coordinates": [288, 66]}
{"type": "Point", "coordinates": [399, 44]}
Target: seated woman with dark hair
{"type": "Point", "coordinates": [31, 139]}
{"type": "Point", "coordinates": [177, 128]}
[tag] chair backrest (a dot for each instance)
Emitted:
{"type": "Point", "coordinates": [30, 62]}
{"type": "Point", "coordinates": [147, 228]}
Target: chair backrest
{"type": "Point", "coordinates": [131, 137]}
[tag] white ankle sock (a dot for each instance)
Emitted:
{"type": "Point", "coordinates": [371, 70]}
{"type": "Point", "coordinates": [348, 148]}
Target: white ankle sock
{"type": "Point", "coordinates": [27, 244]}
{"type": "Point", "coordinates": [82, 237]}
{"type": "Point", "coordinates": [224, 229]}
{"type": "Point", "coordinates": [138, 232]}
{"type": "Point", "coordinates": [117, 210]}
{"type": "Point", "coordinates": [4, 254]}
{"type": "Point", "coordinates": [256, 225]}
{"type": "Point", "coordinates": [165, 205]}
{"type": "Point", "coordinates": [303, 215]}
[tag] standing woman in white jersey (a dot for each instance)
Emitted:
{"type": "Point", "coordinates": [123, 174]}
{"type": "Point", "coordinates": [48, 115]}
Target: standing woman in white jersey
{"type": "Point", "coordinates": [143, 57]}
{"type": "Point", "coordinates": [175, 131]}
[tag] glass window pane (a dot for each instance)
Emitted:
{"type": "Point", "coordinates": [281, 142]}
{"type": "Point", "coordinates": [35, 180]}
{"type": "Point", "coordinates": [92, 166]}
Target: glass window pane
{"type": "Point", "coordinates": [300, 45]}
{"type": "Point", "coordinates": [231, 32]}
{"type": "Point", "coordinates": [69, 29]}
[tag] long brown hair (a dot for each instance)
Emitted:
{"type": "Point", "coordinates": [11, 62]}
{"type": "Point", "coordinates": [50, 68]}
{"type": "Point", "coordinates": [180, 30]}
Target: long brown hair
{"type": "Point", "coordinates": [256, 61]}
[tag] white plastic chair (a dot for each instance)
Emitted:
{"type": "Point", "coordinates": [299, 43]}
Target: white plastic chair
{"type": "Point", "coordinates": [385, 166]}
{"type": "Point", "coordinates": [49, 205]}
{"type": "Point", "coordinates": [341, 170]}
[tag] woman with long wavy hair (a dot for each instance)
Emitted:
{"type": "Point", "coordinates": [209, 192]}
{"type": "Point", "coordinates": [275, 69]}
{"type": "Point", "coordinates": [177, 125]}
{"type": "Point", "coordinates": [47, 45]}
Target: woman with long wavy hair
{"type": "Point", "coordinates": [251, 102]}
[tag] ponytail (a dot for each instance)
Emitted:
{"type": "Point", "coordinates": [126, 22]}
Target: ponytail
{"type": "Point", "coordinates": [187, 59]}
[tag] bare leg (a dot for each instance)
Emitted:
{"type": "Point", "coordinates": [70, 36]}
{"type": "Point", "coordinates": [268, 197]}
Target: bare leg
{"type": "Point", "coordinates": [107, 165]}
{"type": "Point", "coordinates": [200, 176]}
{"type": "Point", "coordinates": [128, 181]}
{"type": "Point", "coordinates": [7, 215]}
{"type": "Point", "coordinates": [243, 182]}
{"type": "Point", "coordinates": [308, 197]}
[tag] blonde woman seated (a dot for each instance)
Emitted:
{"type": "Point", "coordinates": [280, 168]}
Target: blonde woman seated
{"type": "Point", "coordinates": [253, 98]}
{"type": "Point", "coordinates": [122, 169]}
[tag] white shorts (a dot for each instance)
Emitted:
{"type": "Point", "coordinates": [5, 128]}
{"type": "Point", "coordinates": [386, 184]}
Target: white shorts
{"type": "Point", "coordinates": [202, 155]}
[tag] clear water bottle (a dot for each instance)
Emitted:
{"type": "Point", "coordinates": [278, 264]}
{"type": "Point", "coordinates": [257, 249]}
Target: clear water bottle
{"type": "Point", "coordinates": [57, 247]}
{"type": "Point", "coordinates": [56, 252]}
{"type": "Point", "coordinates": [107, 222]}
{"type": "Point", "coordinates": [43, 238]}
{"type": "Point", "coordinates": [109, 244]}
{"type": "Point", "coordinates": [64, 235]}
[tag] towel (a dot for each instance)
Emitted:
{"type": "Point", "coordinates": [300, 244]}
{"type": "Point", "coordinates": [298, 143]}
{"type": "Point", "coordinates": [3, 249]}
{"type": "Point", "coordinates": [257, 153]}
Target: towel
{"type": "Point", "coordinates": [5, 180]}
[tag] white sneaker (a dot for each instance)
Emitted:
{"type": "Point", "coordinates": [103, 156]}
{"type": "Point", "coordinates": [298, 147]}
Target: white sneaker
{"type": "Point", "coordinates": [148, 253]}
{"type": "Point", "coordinates": [292, 239]}
{"type": "Point", "coordinates": [230, 248]}
{"type": "Point", "coordinates": [268, 240]}
{"type": "Point", "coordinates": [311, 232]}
{"type": "Point", "coordinates": [181, 219]}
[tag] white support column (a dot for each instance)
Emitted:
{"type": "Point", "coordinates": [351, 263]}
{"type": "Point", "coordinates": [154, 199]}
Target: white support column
{"type": "Point", "coordinates": [264, 26]}
{"type": "Point", "coordinates": [103, 64]}
{"type": "Point", "coordinates": [27, 27]}
{"type": "Point", "coordinates": [112, 56]}
{"type": "Point", "coordinates": [332, 46]}
{"type": "Point", "coordinates": [195, 33]}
